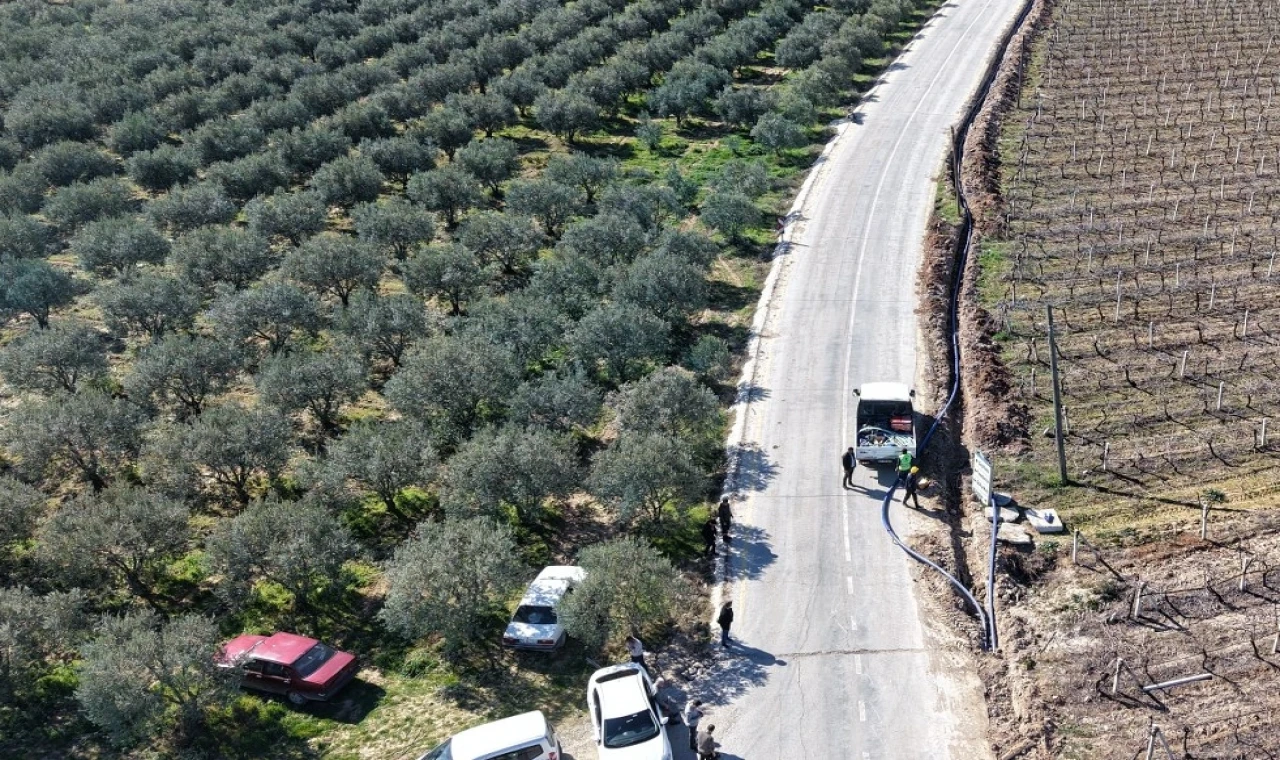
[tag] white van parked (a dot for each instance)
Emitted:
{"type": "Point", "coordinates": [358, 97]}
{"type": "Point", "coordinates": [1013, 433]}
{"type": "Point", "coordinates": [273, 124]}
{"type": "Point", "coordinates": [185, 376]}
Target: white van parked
{"type": "Point", "coordinates": [886, 422]}
{"type": "Point", "coordinates": [536, 625]}
{"type": "Point", "coordinates": [527, 736]}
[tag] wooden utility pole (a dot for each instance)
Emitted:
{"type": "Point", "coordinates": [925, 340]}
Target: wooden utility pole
{"type": "Point", "coordinates": [1058, 431]}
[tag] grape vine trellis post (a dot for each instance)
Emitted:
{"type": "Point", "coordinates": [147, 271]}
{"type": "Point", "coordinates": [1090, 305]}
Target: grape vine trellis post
{"type": "Point", "coordinates": [1058, 432]}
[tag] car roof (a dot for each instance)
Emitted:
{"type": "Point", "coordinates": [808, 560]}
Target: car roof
{"type": "Point", "coordinates": [885, 392]}
{"type": "Point", "coordinates": [284, 648]}
{"type": "Point", "coordinates": [500, 736]}
{"type": "Point", "coordinates": [550, 585]}
{"type": "Point", "coordinates": [621, 689]}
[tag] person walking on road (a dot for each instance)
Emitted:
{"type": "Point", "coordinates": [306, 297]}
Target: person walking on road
{"type": "Point", "coordinates": [707, 744]}
{"type": "Point", "coordinates": [905, 460]}
{"type": "Point", "coordinates": [848, 461]}
{"type": "Point", "coordinates": [911, 485]}
{"type": "Point", "coordinates": [691, 715]}
{"type": "Point", "coordinates": [709, 537]}
{"type": "Point", "coordinates": [636, 649]}
{"type": "Point", "coordinates": [725, 619]}
{"type": "Point", "coordinates": [725, 513]}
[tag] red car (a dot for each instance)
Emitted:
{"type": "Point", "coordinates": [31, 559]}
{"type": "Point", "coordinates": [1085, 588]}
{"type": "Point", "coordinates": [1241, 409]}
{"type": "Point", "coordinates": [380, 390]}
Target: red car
{"type": "Point", "coordinates": [300, 668]}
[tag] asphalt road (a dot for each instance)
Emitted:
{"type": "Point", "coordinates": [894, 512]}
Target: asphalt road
{"type": "Point", "coordinates": [832, 659]}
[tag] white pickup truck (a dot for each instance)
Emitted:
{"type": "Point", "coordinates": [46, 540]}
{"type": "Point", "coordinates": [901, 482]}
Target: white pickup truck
{"type": "Point", "coordinates": [886, 422]}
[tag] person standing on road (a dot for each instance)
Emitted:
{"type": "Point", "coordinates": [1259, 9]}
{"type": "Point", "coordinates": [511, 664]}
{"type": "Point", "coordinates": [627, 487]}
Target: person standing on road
{"type": "Point", "coordinates": [691, 715]}
{"type": "Point", "coordinates": [725, 513]}
{"type": "Point", "coordinates": [636, 649]}
{"type": "Point", "coordinates": [848, 461]}
{"type": "Point", "coordinates": [707, 744]}
{"type": "Point", "coordinates": [725, 619]}
{"type": "Point", "coordinates": [709, 537]}
{"type": "Point", "coordinates": [910, 486]}
{"type": "Point", "coordinates": [905, 460]}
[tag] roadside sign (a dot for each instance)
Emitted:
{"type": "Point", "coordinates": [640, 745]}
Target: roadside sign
{"type": "Point", "coordinates": [982, 478]}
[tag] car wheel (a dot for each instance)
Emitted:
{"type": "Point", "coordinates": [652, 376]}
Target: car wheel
{"type": "Point", "coordinates": [296, 698]}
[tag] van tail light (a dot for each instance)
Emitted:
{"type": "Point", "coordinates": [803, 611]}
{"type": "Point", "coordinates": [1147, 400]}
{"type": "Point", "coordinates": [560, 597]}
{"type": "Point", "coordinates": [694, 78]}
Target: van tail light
{"type": "Point", "coordinates": [510, 640]}
{"type": "Point", "coordinates": [546, 641]}
{"type": "Point", "coordinates": [553, 755]}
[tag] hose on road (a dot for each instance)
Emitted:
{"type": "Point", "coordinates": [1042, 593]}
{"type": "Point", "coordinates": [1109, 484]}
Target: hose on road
{"type": "Point", "coordinates": [964, 240]}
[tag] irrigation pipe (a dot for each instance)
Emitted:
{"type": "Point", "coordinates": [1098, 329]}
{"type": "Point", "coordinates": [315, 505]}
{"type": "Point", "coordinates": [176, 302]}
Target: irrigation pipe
{"type": "Point", "coordinates": [965, 241]}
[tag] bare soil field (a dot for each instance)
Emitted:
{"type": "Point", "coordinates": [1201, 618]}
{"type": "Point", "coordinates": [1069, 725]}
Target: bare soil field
{"type": "Point", "coordinates": [1132, 182]}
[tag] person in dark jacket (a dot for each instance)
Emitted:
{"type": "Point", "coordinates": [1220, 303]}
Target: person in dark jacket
{"type": "Point", "coordinates": [848, 461]}
{"type": "Point", "coordinates": [725, 513]}
{"type": "Point", "coordinates": [910, 486]}
{"type": "Point", "coordinates": [709, 537]}
{"type": "Point", "coordinates": [707, 744]}
{"type": "Point", "coordinates": [725, 619]}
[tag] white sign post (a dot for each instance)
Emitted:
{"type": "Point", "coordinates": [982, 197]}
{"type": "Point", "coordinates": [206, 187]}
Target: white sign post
{"type": "Point", "coordinates": [982, 478]}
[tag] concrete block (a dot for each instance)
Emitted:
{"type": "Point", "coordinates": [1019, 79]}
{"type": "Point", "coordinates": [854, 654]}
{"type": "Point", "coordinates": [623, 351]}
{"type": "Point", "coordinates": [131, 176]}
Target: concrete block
{"type": "Point", "coordinates": [1013, 534]}
{"type": "Point", "coordinates": [1044, 520]}
{"type": "Point", "coordinates": [1007, 514]}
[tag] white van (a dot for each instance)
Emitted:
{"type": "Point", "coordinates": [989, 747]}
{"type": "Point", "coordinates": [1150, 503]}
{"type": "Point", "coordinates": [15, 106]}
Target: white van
{"type": "Point", "coordinates": [521, 737]}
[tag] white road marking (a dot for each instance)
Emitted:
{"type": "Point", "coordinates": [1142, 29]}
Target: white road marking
{"type": "Point", "coordinates": [848, 579]}
{"type": "Point", "coordinates": [853, 624]}
{"type": "Point", "coordinates": [857, 664]}
{"type": "Point", "coordinates": [862, 711]}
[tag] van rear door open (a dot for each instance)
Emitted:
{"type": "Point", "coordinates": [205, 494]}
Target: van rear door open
{"type": "Point", "coordinates": [886, 422]}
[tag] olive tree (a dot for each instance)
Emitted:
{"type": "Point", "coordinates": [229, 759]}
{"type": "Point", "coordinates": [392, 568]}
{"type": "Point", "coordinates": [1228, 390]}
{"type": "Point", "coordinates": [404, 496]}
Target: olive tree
{"type": "Point", "coordinates": [453, 385]}
{"type": "Point", "coordinates": [60, 358]}
{"type": "Point", "coordinates": [619, 340]}
{"type": "Point", "coordinates": [87, 435]}
{"type": "Point", "coordinates": [23, 237]}
{"type": "Point", "coordinates": [663, 286]}
{"type": "Point", "coordinates": [300, 547]}
{"type": "Point", "coordinates": [642, 475]}
{"type": "Point", "coordinates": [566, 113]}
{"type": "Point", "coordinates": [150, 304]}
{"type": "Point", "coordinates": [191, 206]}
{"type": "Point", "coordinates": [673, 402]}
{"type": "Point", "coordinates": [510, 467]}
{"type": "Point", "coordinates": [116, 246]}
{"type": "Point", "coordinates": [778, 133]}
{"type": "Point", "coordinates": [382, 458]}
{"type": "Point", "coordinates": [551, 203]}
{"type": "Point", "coordinates": [451, 578]}
{"type": "Point", "coordinates": [38, 629]}
{"type": "Point", "coordinates": [226, 453]}
{"type": "Point", "coordinates": [318, 383]}
{"type": "Point", "coordinates": [629, 586]}
{"type": "Point", "coordinates": [21, 509]}
{"type": "Point", "coordinates": [142, 677]}
{"type": "Point", "coordinates": [730, 212]}
{"type": "Point", "coordinates": [449, 272]}
{"type": "Point", "coordinates": [35, 287]}
{"type": "Point", "coordinates": [347, 180]}
{"type": "Point", "coordinates": [335, 265]}
{"type": "Point", "coordinates": [448, 190]}
{"type": "Point", "coordinates": [273, 313]}
{"type": "Point", "coordinates": [120, 536]}
{"type": "Point", "coordinates": [294, 216]}
{"type": "Point", "coordinates": [506, 241]}
{"type": "Point", "coordinates": [393, 224]}
{"type": "Point", "coordinates": [491, 161]}
{"type": "Point", "coordinates": [83, 202]}
{"type": "Point", "coordinates": [163, 167]}
{"type": "Point", "coordinates": [564, 399]}
{"type": "Point", "coordinates": [231, 255]}
{"type": "Point", "coordinates": [181, 372]}
{"type": "Point", "coordinates": [580, 170]}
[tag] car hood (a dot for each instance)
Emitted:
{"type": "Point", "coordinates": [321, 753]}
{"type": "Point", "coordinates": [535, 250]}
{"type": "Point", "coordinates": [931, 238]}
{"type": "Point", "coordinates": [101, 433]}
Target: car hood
{"type": "Point", "coordinates": [331, 668]}
{"type": "Point", "coordinates": [656, 748]}
{"type": "Point", "coordinates": [529, 631]}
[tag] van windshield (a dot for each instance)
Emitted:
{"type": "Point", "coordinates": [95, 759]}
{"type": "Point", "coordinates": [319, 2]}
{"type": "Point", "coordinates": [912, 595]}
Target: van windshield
{"type": "Point", "coordinates": [535, 615]}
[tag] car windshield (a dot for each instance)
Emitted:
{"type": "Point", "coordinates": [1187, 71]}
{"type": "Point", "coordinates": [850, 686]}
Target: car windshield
{"type": "Point", "coordinates": [534, 615]}
{"type": "Point", "coordinates": [629, 730]}
{"type": "Point", "coordinates": [312, 660]}
{"type": "Point", "coordinates": [439, 753]}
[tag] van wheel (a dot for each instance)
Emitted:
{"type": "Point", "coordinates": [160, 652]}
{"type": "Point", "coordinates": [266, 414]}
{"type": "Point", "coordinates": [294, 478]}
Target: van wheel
{"type": "Point", "coordinates": [296, 699]}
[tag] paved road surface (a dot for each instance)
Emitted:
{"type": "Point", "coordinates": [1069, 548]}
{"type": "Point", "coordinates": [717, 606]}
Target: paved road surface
{"type": "Point", "coordinates": [833, 659]}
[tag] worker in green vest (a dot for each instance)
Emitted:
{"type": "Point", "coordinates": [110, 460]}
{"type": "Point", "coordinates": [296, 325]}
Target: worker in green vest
{"type": "Point", "coordinates": [905, 460]}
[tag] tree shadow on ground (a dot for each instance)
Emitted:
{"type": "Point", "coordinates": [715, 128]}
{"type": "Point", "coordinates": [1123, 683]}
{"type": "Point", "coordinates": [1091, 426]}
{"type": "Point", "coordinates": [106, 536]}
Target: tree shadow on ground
{"type": "Point", "coordinates": [750, 553]}
{"type": "Point", "coordinates": [754, 472]}
{"type": "Point", "coordinates": [735, 670]}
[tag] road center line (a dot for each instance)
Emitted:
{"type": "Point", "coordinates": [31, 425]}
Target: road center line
{"type": "Point", "coordinates": [862, 711]}
{"type": "Point", "coordinates": [857, 664]}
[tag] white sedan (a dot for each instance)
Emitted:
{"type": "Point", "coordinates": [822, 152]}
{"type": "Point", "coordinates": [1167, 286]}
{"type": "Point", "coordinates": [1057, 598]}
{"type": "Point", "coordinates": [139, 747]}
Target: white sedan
{"type": "Point", "coordinates": [536, 624]}
{"type": "Point", "coordinates": [625, 718]}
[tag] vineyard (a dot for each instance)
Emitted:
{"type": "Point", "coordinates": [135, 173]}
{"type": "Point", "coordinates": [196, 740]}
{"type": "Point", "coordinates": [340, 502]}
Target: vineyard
{"type": "Point", "coordinates": [1138, 199]}
{"type": "Point", "coordinates": [307, 304]}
